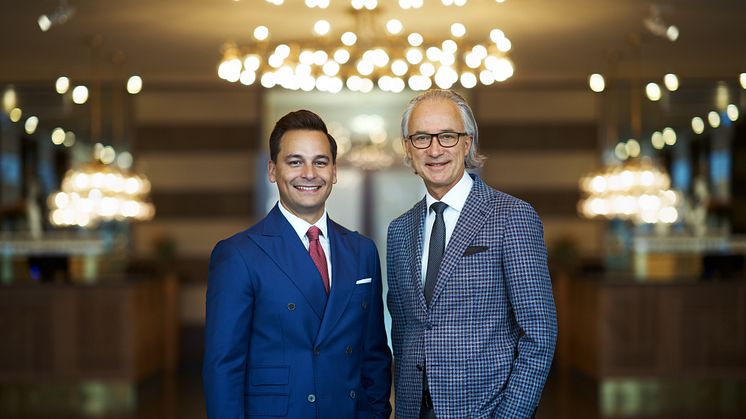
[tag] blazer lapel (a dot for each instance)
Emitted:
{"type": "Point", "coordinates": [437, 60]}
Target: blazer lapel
{"type": "Point", "coordinates": [345, 259]}
{"type": "Point", "coordinates": [278, 239]}
{"type": "Point", "coordinates": [415, 249]}
{"type": "Point", "coordinates": [474, 214]}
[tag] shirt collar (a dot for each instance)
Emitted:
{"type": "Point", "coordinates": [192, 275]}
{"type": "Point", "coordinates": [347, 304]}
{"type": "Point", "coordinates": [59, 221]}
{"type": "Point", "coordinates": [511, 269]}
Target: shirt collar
{"type": "Point", "coordinates": [456, 197]}
{"type": "Point", "coordinates": [301, 226]}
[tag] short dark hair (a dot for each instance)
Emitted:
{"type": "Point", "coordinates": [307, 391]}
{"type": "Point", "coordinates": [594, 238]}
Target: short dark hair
{"type": "Point", "coordinates": [300, 120]}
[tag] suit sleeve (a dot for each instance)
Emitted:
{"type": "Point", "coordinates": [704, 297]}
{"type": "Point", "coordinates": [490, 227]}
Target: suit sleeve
{"type": "Point", "coordinates": [530, 293]}
{"type": "Point", "coordinates": [228, 321]}
{"type": "Point", "coordinates": [377, 355]}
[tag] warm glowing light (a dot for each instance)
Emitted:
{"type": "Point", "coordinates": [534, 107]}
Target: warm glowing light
{"type": "Point", "coordinates": [80, 94]}
{"type": "Point", "coordinates": [349, 38]}
{"type": "Point", "coordinates": [653, 91]}
{"type": "Point", "coordinates": [669, 136]}
{"type": "Point", "coordinates": [657, 140]}
{"type": "Point", "coordinates": [58, 136]}
{"type": "Point", "coordinates": [15, 114]}
{"type": "Point", "coordinates": [32, 122]}
{"type": "Point", "coordinates": [714, 119]}
{"type": "Point", "coordinates": [671, 81]}
{"type": "Point", "coordinates": [672, 33]}
{"type": "Point", "coordinates": [321, 27]}
{"type": "Point", "coordinates": [698, 125]}
{"type": "Point", "coordinates": [415, 39]}
{"type": "Point", "coordinates": [633, 147]}
{"type": "Point", "coordinates": [341, 56]}
{"type": "Point", "coordinates": [458, 30]}
{"type": "Point", "coordinates": [597, 82]}
{"type": "Point", "coordinates": [10, 99]}
{"type": "Point", "coordinates": [62, 85]}
{"type": "Point", "coordinates": [134, 85]}
{"type": "Point", "coordinates": [742, 80]}
{"type": "Point", "coordinates": [261, 33]}
{"type": "Point", "coordinates": [394, 26]}
{"type": "Point", "coordinates": [732, 112]}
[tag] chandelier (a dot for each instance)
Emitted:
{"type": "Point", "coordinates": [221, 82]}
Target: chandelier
{"type": "Point", "coordinates": [636, 190]}
{"type": "Point", "coordinates": [98, 192]}
{"type": "Point", "coordinates": [372, 54]}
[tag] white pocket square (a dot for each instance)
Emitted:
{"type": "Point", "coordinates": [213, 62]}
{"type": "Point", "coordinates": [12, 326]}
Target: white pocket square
{"type": "Point", "coordinates": [363, 281]}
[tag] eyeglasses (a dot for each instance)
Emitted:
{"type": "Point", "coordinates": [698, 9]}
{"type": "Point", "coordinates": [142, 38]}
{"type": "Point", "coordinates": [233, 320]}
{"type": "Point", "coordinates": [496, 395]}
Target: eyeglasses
{"type": "Point", "coordinates": [446, 139]}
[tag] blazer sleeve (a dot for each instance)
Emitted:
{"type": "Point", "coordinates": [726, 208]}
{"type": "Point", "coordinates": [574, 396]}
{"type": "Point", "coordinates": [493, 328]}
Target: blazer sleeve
{"type": "Point", "coordinates": [530, 293]}
{"type": "Point", "coordinates": [376, 374]}
{"type": "Point", "coordinates": [228, 318]}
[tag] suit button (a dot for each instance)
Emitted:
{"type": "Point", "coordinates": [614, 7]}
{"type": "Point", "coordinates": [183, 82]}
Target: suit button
{"type": "Point", "coordinates": [353, 394]}
{"type": "Point", "coordinates": [349, 349]}
{"type": "Point", "coordinates": [419, 367]}
{"type": "Point", "coordinates": [316, 351]}
{"type": "Point", "coordinates": [291, 306]}
{"type": "Point", "coordinates": [311, 398]}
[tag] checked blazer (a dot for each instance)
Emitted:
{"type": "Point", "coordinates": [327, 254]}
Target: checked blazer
{"type": "Point", "coordinates": [488, 338]}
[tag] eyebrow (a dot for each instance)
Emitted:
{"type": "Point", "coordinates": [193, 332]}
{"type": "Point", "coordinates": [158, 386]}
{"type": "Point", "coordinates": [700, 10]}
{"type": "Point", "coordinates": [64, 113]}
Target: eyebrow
{"type": "Point", "coordinates": [300, 156]}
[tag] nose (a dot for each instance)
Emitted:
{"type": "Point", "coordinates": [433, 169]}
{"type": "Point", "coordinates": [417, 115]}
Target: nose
{"type": "Point", "coordinates": [435, 148]}
{"type": "Point", "coordinates": [309, 172]}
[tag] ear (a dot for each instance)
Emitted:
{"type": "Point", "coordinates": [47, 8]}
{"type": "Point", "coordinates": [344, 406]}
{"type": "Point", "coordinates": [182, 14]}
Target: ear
{"type": "Point", "coordinates": [271, 171]}
{"type": "Point", "coordinates": [334, 174]}
{"type": "Point", "coordinates": [467, 143]}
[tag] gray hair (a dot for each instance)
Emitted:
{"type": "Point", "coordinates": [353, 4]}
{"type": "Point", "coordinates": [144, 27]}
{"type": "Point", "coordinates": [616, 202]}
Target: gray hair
{"type": "Point", "coordinates": [472, 160]}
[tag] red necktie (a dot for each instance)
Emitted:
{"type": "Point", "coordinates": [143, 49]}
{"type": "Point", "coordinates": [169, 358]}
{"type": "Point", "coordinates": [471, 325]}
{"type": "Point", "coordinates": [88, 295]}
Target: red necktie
{"type": "Point", "coordinates": [317, 254]}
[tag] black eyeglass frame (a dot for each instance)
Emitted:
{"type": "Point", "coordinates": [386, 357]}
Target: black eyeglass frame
{"type": "Point", "coordinates": [436, 135]}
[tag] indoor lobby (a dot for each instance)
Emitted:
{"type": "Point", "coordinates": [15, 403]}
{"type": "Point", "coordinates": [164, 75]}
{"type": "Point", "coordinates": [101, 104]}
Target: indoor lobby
{"type": "Point", "coordinates": [134, 137]}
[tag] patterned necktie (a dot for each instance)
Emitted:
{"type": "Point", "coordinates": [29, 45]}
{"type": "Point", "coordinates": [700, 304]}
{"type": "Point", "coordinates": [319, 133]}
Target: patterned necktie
{"type": "Point", "coordinates": [318, 255]}
{"type": "Point", "coordinates": [437, 246]}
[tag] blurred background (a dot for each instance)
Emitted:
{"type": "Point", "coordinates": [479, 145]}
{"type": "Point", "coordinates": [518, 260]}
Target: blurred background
{"type": "Point", "coordinates": [134, 137]}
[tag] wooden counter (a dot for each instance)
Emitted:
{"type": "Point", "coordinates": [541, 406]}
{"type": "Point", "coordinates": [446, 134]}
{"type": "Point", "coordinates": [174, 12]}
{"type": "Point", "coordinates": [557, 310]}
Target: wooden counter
{"type": "Point", "coordinates": [122, 331]}
{"type": "Point", "coordinates": [689, 329]}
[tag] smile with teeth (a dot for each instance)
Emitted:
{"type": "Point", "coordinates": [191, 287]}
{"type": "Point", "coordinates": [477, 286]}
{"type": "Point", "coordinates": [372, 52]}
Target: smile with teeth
{"type": "Point", "coordinates": [307, 188]}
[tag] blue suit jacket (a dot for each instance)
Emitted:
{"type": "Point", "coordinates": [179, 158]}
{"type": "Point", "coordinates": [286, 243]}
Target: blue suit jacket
{"type": "Point", "coordinates": [276, 347]}
{"type": "Point", "coordinates": [488, 338]}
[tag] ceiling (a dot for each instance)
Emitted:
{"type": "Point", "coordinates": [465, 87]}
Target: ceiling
{"type": "Point", "coordinates": [179, 41]}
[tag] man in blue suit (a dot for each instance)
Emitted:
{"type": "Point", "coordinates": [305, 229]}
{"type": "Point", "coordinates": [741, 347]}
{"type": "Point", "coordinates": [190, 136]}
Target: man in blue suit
{"type": "Point", "coordinates": [474, 323]}
{"type": "Point", "coordinates": [294, 323]}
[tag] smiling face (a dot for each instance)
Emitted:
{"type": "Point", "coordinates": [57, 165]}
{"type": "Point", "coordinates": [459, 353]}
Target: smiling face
{"type": "Point", "coordinates": [441, 168]}
{"type": "Point", "coordinates": [304, 173]}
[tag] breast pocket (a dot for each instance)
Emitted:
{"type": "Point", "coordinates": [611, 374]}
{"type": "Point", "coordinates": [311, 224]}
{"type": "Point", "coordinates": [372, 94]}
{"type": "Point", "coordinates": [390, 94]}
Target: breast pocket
{"type": "Point", "coordinates": [267, 392]}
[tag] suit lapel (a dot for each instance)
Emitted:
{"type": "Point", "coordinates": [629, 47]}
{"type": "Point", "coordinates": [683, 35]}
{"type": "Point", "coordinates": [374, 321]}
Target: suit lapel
{"type": "Point", "coordinates": [474, 214]}
{"type": "Point", "coordinates": [345, 258]}
{"type": "Point", "coordinates": [278, 239]}
{"type": "Point", "coordinates": [415, 249]}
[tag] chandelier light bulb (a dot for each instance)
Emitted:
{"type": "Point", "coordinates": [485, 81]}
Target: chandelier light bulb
{"type": "Point", "coordinates": [732, 112]}
{"type": "Point", "coordinates": [458, 30]}
{"type": "Point", "coordinates": [596, 82]}
{"type": "Point", "coordinates": [672, 33]}
{"type": "Point", "coordinates": [742, 80]}
{"type": "Point", "coordinates": [80, 94]}
{"type": "Point", "coordinates": [371, 4]}
{"type": "Point", "coordinates": [321, 27]}
{"type": "Point", "coordinates": [15, 114]}
{"type": "Point", "coordinates": [415, 40]}
{"type": "Point", "coordinates": [399, 67]}
{"type": "Point", "coordinates": [671, 81]}
{"type": "Point", "coordinates": [698, 125]}
{"type": "Point", "coordinates": [31, 123]}
{"type": "Point", "coordinates": [58, 136]}
{"type": "Point", "coordinates": [468, 80]}
{"type": "Point", "coordinates": [414, 55]}
{"type": "Point", "coordinates": [261, 33]}
{"type": "Point", "coordinates": [62, 85]}
{"type": "Point", "coordinates": [134, 85]}
{"type": "Point", "coordinates": [394, 26]}
{"type": "Point", "coordinates": [341, 56]}
{"type": "Point", "coordinates": [714, 119]}
{"type": "Point", "coordinates": [653, 91]}
{"type": "Point", "coordinates": [349, 38]}
{"type": "Point", "coordinates": [669, 136]}
{"type": "Point", "coordinates": [504, 44]}
{"type": "Point", "coordinates": [657, 140]}
{"type": "Point", "coordinates": [10, 99]}
{"type": "Point", "coordinates": [496, 35]}
{"type": "Point", "coordinates": [357, 4]}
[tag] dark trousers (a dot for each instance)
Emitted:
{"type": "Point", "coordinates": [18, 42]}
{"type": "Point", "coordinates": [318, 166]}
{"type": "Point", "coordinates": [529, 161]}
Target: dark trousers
{"type": "Point", "coordinates": [426, 408]}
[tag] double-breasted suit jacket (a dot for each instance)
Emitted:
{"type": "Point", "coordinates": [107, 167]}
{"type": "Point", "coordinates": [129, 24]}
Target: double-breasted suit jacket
{"type": "Point", "coordinates": [276, 346]}
{"type": "Point", "coordinates": [487, 339]}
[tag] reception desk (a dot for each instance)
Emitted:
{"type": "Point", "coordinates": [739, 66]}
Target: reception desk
{"type": "Point", "coordinates": [616, 328]}
{"type": "Point", "coordinates": [121, 331]}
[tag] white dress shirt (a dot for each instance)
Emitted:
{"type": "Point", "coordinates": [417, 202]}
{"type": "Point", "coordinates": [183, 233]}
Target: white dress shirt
{"type": "Point", "coordinates": [301, 227]}
{"type": "Point", "coordinates": [455, 199]}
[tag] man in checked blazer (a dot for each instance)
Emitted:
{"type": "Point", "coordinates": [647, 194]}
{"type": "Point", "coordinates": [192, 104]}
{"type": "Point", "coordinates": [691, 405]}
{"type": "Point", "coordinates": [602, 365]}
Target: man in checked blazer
{"type": "Point", "coordinates": [474, 322]}
{"type": "Point", "coordinates": [294, 308]}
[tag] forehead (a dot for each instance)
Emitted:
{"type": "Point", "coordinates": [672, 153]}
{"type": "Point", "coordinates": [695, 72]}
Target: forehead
{"type": "Point", "coordinates": [305, 143]}
{"type": "Point", "coordinates": [435, 114]}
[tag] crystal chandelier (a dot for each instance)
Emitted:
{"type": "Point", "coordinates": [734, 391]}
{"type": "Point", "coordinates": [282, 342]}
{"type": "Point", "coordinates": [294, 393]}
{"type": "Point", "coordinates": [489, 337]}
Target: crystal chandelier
{"type": "Point", "coordinates": [636, 190]}
{"type": "Point", "coordinates": [373, 54]}
{"type": "Point", "coordinates": [98, 192]}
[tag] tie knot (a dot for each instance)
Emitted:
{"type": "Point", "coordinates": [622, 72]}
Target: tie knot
{"type": "Point", "coordinates": [313, 233]}
{"type": "Point", "coordinates": [439, 207]}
